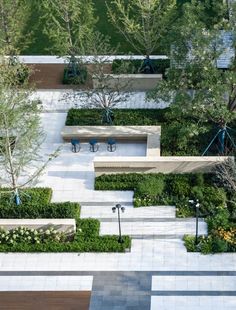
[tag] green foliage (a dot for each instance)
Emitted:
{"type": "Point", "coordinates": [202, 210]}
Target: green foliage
{"type": "Point", "coordinates": [81, 77]}
{"type": "Point", "coordinates": [135, 65]}
{"type": "Point", "coordinates": [189, 242]}
{"type": "Point", "coordinates": [210, 197]}
{"type": "Point", "coordinates": [142, 23]}
{"type": "Point", "coordinates": [180, 136]}
{"type": "Point", "coordinates": [29, 196]}
{"type": "Point", "coordinates": [95, 244]}
{"type": "Point", "coordinates": [86, 239]}
{"type": "Point", "coordinates": [68, 25]}
{"type": "Point", "coordinates": [36, 204]}
{"type": "Point", "coordinates": [180, 186]}
{"type": "Point", "coordinates": [123, 117]}
{"type": "Point", "coordinates": [152, 187]}
{"type": "Point", "coordinates": [220, 219]}
{"type": "Point", "coordinates": [219, 245]}
{"type": "Point", "coordinates": [30, 236]}
{"type": "Point", "coordinates": [175, 189]}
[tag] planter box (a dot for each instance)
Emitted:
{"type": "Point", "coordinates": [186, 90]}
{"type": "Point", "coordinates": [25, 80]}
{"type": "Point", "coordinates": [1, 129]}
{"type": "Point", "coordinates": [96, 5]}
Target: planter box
{"type": "Point", "coordinates": [131, 82]}
{"type": "Point", "coordinates": [67, 226]}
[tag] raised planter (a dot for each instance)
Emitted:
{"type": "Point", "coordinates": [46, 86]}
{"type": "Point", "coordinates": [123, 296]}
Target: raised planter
{"type": "Point", "coordinates": [67, 226]}
{"type": "Point", "coordinates": [161, 164]}
{"type": "Point", "coordinates": [131, 82]}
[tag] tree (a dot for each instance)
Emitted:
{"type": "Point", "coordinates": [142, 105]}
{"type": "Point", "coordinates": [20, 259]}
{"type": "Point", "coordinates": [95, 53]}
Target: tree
{"type": "Point", "coordinates": [195, 86]}
{"type": "Point", "coordinates": [107, 91]}
{"type": "Point", "coordinates": [20, 133]}
{"type": "Point", "coordinates": [225, 175]}
{"type": "Point", "coordinates": [143, 23]}
{"type": "Point", "coordinates": [13, 20]}
{"type": "Point", "coordinates": [68, 24]}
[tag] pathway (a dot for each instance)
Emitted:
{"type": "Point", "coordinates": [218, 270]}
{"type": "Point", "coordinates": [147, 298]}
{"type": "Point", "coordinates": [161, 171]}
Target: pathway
{"type": "Point", "coordinates": [157, 274]}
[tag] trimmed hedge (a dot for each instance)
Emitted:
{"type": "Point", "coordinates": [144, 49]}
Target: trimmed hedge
{"type": "Point", "coordinates": [134, 66]}
{"type": "Point", "coordinates": [95, 244]}
{"type": "Point", "coordinates": [86, 239]}
{"type": "Point", "coordinates": [174, 189]}
{"type": "Point", "coordinates": [123, 117]}
{"type": "Point", "coordinates": [36, 204]}
{"type": "Point", "coordinates": [28, 196]}
{"type": "Point", "coordinates": [52, 210]}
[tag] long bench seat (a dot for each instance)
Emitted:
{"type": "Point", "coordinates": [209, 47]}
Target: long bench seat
{"type": "Point", "coordinates": [149, 134]}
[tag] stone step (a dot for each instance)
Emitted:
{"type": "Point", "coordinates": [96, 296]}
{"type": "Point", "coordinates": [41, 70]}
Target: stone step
{"type": "Point", "coordinates": [178, 228]}
{"type": "Point", "coordinates": [104, 211]}
{"type": "Point", "coordinates": [156, 220]}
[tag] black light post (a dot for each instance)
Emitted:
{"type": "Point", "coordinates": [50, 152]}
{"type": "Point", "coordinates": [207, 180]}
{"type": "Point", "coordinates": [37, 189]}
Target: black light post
{"type": "Point", "coordinates": [197, 206]}
{"type": "Point", "coordinates": [118, 207]}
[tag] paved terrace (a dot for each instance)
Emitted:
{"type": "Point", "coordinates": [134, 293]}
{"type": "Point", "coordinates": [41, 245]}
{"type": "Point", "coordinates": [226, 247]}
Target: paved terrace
{"type": "Point", "coordinates": [157, 274]}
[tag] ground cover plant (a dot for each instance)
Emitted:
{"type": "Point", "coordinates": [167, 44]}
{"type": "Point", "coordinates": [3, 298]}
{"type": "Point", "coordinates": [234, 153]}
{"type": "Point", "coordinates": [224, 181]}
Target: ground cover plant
{"type": "Point", "coordinates": [218, 206]}
{"type": "Point", "coordinates": [136, 65]}
{"type": "Point", "coordinates": [36, 203]}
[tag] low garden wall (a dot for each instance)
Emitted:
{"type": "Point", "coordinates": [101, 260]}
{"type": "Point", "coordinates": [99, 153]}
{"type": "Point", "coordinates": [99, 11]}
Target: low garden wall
{"type": "Point", "coordinates": [67, 226]}
{"type": "Point", "coordinates": [131, 82]}
{"type": "Point", "coordinates": [183, 164]}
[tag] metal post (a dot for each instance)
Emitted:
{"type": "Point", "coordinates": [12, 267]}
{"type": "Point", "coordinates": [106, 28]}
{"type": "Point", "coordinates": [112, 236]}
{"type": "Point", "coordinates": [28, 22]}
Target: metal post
{"type": "Point", "coordinates": [120, 237]}
{"type": "Point", "coordinates": [197, 214]}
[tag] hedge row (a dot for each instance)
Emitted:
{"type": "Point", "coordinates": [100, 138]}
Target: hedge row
{"type": "Point", "coordinates": [35, 203]}
{"type": "Point", "coordinates": [216, 205]}
{"type": "Point", "coordinates": [28, 196]}
{"type": "Point", "coordinates": [166, 189]}
{"type": "Point", "coordinates": [123, 117]}
{"type": "Point", "coordinates": [136, 65]}
{"type": "Point", "coordinates": [86, 239]}
{"type": "Point", "coordinates": [95, 244]}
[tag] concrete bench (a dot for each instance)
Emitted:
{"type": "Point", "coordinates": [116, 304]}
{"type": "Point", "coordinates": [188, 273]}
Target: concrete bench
{"type": "Point", "coordinates": [172, 164]}
{"type": "Point", "coordinates": [67, 226]}
{"type": "Point", "coordinates": [148, 134]}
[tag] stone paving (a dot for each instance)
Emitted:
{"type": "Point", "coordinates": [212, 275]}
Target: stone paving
{"type": "Point", "coordinates": [156, 274]}
{"type": "Point", "coordinates": [63, 100]}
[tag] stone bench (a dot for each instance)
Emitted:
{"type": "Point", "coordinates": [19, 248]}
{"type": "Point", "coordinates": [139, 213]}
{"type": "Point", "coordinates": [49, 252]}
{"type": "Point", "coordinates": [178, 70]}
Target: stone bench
{"type": "Point", "coordinates": [163, 164]}
{"type": "Point", "coordinates": [67, 226]}
{"type": "Point", "coordinates": [148, 134]}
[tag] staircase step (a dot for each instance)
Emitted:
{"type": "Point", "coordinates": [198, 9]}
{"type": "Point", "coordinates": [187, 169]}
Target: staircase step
{"type": "Point", "coordinates": [103, 212]}
{"type": "Point", "coordinates": [104, 203]}
{"type": "Point", "coordinates": [160, 237]}
{"type": "Point", "coordinates": [179, 228]}
{"type": "Point", "coordinates": [157, 220]}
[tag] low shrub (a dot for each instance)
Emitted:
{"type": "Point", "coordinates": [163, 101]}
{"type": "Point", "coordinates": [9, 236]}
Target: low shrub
{"type": "Point", "coordinates": [134, 66]}
{"type": "Point", "coordinates": [96, 244]}
{"type": "Point", "coordinates": [30, 236]}
{"type": "Point", "coordinates": [52, 210]}
{"type": "Point", "coordinates": [189, 242]}
{"type": "Point", "coordinates": [152, 187]}
{"type": "Point", "coordinates": [219, 219]}
{"type": "Point", "coordinates": [122, 117]}
{"type": "Point", "coordinates": [80, 78]}
{"type": "Point", "coordinates": [219, 245]}
{"type": "Point", "coordinates": [28, 196]}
